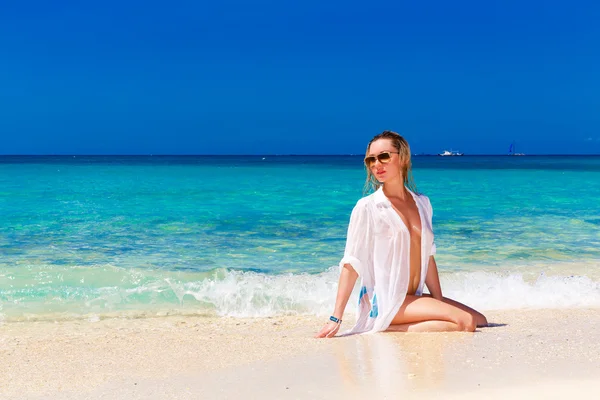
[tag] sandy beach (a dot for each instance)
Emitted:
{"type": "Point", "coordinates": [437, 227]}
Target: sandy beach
{"type": "Point", "coordinates": [524, 354]}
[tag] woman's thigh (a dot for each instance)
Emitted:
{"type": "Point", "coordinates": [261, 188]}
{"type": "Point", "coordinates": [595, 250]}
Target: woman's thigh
{"type": "Point", "coordinates": [425, 308]}
{"type": "Point", "coordinates": [480, 319]}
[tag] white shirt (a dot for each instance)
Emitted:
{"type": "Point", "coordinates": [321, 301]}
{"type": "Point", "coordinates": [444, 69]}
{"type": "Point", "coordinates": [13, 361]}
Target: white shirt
{"type": "Point", "coordinates": [378, 248]}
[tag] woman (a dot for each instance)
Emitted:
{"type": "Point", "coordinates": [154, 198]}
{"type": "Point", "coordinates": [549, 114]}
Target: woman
{"type": "Point", "coordinates": [390, 247]}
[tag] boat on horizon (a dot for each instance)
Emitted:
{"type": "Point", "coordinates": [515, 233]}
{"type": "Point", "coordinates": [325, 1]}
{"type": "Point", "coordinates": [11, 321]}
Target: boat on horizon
{"type": "Point", "coordinates": [512, 151]}
{"type": "Point", "coordinates": [450, 153]}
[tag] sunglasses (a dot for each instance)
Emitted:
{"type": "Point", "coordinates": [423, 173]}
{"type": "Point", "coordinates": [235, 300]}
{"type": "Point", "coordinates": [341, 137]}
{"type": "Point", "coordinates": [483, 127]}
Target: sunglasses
{"type": "Point", "coordinates": [383, 158]}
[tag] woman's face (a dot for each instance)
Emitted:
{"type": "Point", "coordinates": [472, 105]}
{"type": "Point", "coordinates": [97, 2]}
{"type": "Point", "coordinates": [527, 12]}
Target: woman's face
{"type": "Point", "coordinates": [383, 160]}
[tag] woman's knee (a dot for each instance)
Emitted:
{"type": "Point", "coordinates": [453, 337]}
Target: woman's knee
{"type": "Point", "coordinates": [467, 322]}
{"type": "Point", "coordinates": [481, 320]}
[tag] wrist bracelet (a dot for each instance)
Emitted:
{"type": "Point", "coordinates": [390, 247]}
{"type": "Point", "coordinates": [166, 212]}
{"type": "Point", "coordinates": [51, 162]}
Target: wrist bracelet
{"type": "Point", "coordinates": [336, 320]}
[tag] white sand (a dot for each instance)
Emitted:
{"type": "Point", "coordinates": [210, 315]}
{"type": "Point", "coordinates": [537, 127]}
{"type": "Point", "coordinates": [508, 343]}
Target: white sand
{"type": "Point", "coordinates": [536, 354]}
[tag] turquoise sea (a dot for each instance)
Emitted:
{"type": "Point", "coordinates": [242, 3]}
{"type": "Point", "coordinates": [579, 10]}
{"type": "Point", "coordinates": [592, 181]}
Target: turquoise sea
{"type": "Point", "coordinates": [90, 237]}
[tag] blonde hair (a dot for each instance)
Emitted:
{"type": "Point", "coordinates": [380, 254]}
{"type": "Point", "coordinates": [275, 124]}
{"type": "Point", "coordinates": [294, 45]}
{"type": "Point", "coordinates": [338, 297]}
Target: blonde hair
{"type": "Point", "coordinates": [401, 145]}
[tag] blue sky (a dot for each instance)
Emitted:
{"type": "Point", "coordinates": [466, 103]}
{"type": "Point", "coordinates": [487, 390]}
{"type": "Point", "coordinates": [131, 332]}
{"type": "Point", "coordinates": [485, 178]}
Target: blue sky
{"type": "Point", "coordinates": [310, 77]}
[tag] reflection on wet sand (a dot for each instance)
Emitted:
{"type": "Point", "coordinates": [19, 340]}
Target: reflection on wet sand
{"type": "Point", "coordinates": [389, 364]}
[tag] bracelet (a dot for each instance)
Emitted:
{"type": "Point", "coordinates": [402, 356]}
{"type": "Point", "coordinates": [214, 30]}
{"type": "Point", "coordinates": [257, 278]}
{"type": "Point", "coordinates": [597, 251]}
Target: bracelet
{"type": "Point", "coordinates": [336, 320]}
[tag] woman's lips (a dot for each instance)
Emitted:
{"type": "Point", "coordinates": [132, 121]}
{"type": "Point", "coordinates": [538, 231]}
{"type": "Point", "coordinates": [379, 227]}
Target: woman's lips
{"type": "Point", "coordinates": [378, 173]}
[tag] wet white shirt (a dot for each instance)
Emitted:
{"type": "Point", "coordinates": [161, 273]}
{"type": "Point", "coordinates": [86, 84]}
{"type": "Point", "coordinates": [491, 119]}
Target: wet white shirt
{"type": "Point", "coordinates": [378, 248]}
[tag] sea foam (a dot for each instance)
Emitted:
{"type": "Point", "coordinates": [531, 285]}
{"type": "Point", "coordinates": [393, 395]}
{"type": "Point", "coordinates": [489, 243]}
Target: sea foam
{"type": "Point", "coordinates": [250, 294]}
{"type": "Point", "coordinates": [237, 293]}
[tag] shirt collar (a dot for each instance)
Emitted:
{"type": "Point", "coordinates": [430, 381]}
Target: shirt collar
{"type": "Point", "coordinates": [380, 198]}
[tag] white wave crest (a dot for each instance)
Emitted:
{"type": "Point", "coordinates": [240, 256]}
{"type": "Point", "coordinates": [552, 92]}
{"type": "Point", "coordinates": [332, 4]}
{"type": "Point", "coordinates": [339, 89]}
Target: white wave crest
{"type": "Point", "coordinates": [491, 291]}
{"type": "Point", "coordinates": [250, 294]}
{"type": "Point", "coordinates": [253, 294]}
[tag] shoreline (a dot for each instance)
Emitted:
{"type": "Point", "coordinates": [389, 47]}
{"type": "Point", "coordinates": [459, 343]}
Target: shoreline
{"type": "Point", "coordinates": [187, 357]}
{"type": "Point", "coordinates": [556, 284]}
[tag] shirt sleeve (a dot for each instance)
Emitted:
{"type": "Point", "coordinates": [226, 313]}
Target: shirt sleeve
{"type": "Point", "coordinates": [358, 240]}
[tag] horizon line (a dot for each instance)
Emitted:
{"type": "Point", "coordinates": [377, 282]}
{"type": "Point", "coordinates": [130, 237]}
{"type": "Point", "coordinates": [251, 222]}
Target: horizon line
{"type": "Point", "coordinates": [292, 155]}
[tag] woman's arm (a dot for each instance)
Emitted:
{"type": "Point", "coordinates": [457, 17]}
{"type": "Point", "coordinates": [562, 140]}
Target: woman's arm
{"type": "Point", "coordinates": [432, 280]}
{"type": "Point", "coordinates": [356, 259]}
{"type": "Point", "coordinates": [346, 283]}
{"type": "Point", "coordinates": [348, 278]}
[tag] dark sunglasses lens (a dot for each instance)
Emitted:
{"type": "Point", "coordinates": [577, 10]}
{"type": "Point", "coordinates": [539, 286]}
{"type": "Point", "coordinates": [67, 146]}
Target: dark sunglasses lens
{"type": "Point", "coordinates": [384, 157]}
{"type": "Point", "coordinates": [369, 160]}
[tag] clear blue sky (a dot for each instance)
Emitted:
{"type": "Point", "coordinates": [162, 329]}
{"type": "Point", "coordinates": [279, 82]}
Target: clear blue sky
{"type": "Point", "coordinates": [309, 77]}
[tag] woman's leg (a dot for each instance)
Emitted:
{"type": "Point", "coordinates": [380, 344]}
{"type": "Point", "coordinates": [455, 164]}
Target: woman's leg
{"type": "Point", "coordinates": [424, 313]}
{"type": "Point", "coordinates": [480, 319]}
{"type": "Point", "coordinates": [425, 326]}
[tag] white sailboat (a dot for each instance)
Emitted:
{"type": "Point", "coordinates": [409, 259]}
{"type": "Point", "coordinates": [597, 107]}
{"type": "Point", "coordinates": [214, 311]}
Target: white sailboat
{"type": "Point", "coordinates": [512, 152]}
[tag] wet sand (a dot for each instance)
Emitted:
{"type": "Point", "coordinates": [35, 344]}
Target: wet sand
{"type": "Point", "coordinates": [524, 354]}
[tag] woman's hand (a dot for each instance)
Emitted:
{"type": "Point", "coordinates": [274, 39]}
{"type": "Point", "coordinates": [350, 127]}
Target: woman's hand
{"type": "Point", "coordinates": [329, 330]}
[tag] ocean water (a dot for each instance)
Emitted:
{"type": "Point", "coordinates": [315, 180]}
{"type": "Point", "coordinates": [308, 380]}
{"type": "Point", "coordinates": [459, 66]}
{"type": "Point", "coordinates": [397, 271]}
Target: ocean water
{"type": "Point", "coordinates": [90, 237]}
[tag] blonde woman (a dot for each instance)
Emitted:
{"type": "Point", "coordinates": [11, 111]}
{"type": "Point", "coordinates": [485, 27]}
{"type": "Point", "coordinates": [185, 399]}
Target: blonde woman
{"type": "Point", "coordinates": [390, 247]}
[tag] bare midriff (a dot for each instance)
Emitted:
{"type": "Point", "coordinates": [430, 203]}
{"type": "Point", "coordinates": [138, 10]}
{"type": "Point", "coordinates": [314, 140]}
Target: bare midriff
{"type": "Point", "coordinates": [415, 259]}
{"type": "Point", "coordinates": [409, 214]}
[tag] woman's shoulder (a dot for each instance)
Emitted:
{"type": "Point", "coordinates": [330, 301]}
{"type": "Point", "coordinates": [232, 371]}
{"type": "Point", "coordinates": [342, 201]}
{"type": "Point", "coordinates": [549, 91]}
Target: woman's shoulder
{"type": "Point", "coordinates": [423, 199]}
{"type": "Point", "coordinates": [421, 196]}
{"type": "Point", "coordinates": [367, 200]}
{"type": "Point", "coordinates": [364, 204]}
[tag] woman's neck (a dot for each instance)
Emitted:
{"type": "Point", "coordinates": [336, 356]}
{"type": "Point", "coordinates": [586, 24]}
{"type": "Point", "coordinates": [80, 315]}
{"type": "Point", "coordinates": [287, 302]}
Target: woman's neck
{"type": "Point", "coordinates": [395, 189]}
